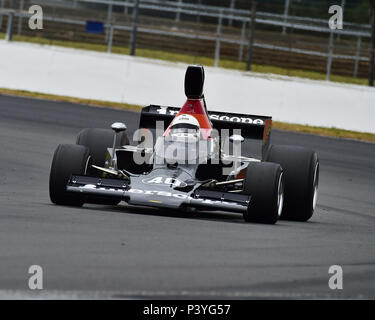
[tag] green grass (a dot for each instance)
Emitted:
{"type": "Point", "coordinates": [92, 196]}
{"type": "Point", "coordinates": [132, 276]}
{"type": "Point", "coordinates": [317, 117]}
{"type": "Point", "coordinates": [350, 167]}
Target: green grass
{"type": "Point", "coordinates": [189, 59]}
{"type": "Point", "coordinates": [330, 132]}
{"type": "Point", "coordinates": [322, 131]}
{"type": "Point", "coordinates": [54, 97]}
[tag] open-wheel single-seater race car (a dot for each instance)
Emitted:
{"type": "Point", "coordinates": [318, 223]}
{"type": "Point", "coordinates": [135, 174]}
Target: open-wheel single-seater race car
{"type": "Point", "coordinates": [193, 165]}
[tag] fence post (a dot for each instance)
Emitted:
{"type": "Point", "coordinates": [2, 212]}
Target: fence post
{"type": "Point", "coordinates": [357, 55]}
{"type": "Point", "coordinates": [178, 13]}
{"type": "Point", "coordinates": [199, 11]}
{"type": "Point", "coordinates": [19, 28]}
{"type": "Point", "coordinates": [343, 2]}
{"type": "Point", "coordinates": [251, 35]}
{"type": "Point", "coordinates": [372, 48]}
{"type": "Point", "coordinates": [286, 12]}
{"type": "Point", "coordinates": [2, 3]}
{"type": "Point", "coordinates": [9, 34]}
{"type": "Point", "coordinates": [330, 53]}
{"type": "Point", "coordinates": [126, 10]}
{"type": "Point", "coordinates": [109, 21]}
{"type": "Point", "coordinates": [133, 35]}
{"type": "Point", "coordinates": [110, 39]}
{"type": "Point", "coordinates": [243, 33]}
{"type": "Point", "coordinates": [218, 36]}
{"type": "Point", "coordinates": [232, 5]}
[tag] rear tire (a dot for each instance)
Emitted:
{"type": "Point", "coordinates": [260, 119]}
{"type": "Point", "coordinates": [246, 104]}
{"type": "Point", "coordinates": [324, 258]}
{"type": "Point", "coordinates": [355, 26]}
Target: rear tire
{"type": "Point", "coordinates": [264, 183]}
{"type": "Point", "coordinates": [301, 170]}
{"type": "Point", "coordinates": [98, 141]}
{"type": "Point", "coordinates": [68, 159]}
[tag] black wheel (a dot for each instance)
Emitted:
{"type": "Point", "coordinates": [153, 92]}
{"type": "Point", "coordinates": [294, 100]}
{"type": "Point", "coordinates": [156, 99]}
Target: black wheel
{"type": "Point", "coordinates": [98, 141]}
{"type": "Point", "coordinates": [68, 159]}
{"type": "Point", "coordinates": [301, 170]}
{"type": "Point", "coordinates": [264, 182]}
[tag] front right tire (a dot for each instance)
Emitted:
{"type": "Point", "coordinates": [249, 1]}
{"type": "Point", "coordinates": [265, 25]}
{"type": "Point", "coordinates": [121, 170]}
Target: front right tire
{"type": "Point", "coordinates": [68, 159]}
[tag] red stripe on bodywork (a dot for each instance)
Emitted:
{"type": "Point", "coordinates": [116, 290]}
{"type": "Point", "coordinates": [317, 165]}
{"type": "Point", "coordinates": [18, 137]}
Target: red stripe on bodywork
{"type": "Point", "coordinates": [196, 109]}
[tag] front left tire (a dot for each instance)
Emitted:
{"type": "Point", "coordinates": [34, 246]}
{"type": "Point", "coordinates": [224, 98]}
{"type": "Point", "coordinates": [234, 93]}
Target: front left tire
{"type": "Point", "coordinates": [264, 182]}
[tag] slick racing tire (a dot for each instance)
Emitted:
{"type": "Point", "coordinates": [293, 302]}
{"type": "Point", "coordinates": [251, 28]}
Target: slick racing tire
{"type": "Point", "coordinates": [98, 141]}
{"type": "Point", "coordinates": [301, 170]}
{"type": "Point", "coordinates": [68, 159]}
{"type": "Point", "coordinates": [265, 184]}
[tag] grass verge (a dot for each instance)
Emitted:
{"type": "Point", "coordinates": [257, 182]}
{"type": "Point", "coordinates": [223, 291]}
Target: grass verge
{"type": "Point", "coordinates": [329, 132]}
{"type": "Point", "coordinates": [54, 97]}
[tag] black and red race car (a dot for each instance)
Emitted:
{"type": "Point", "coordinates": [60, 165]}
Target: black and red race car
{"type": "Point", "coordinates": [195, 164]}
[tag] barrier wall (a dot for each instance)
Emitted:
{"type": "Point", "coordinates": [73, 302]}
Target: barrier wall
{"type": "Point", "coordinates": [135, 80]}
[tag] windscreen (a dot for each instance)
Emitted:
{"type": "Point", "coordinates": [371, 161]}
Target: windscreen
{"type": "Point", "coordinates": [181, 151]}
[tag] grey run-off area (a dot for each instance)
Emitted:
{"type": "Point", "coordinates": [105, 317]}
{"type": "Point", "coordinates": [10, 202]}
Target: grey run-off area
{"type": "Point", "coordinates": [129, 252]}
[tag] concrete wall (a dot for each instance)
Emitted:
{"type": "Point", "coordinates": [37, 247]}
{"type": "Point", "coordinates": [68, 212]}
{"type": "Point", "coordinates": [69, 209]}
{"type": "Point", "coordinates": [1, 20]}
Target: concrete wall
{"type": "Point", "coordinates": [135, 80]}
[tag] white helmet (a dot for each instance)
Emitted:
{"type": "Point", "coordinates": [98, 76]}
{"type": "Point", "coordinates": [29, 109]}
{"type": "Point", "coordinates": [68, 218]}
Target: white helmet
{"type": "Point", "coordinates": [185, 126]}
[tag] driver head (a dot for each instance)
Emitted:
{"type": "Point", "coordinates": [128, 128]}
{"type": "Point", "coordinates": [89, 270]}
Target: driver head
{"type": "Point", "coordinates": [186, 128]}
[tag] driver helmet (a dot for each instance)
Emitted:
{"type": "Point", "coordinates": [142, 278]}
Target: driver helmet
{"type": "Point", "coordinates": [185, 127]}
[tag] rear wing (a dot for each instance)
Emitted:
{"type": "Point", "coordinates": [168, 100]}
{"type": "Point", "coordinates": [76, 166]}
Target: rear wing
{"type": "Point", "coordinates": [251, 126]}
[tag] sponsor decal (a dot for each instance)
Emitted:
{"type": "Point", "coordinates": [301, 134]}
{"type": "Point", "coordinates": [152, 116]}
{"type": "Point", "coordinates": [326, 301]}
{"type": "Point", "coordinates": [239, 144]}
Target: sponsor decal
{"type": "Point", "coordinates": [165, 180]}
{"type": "Point", "coordinates": [158, 193]}
{"type": "Point", "coordinates": [213, 116]}
{"type": "Point", "coordinates": [236, 119]}
{"type": "Point", "coordinates": [89, 186]}
{"type": "Point", "coordinates": [94, 187]}
{"type": "Point", "coordinates": [162, 110]}
{"type": "Point", "coordinates": [175, 195]}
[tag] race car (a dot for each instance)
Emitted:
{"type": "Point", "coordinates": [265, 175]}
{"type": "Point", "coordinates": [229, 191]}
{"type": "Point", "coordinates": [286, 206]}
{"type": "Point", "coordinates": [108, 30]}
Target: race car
{"type": "Point", "coordinates": [194, 163]}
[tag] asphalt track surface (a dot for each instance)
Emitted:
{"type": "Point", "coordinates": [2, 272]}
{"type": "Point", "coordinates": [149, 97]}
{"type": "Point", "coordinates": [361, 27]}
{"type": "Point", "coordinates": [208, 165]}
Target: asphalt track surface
{"type": "Point", "coordinates": [129, 252]}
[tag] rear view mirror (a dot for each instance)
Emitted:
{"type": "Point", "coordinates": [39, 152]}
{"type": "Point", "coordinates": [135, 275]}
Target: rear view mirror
{"type": "Point", "coordinates": [236, 138]}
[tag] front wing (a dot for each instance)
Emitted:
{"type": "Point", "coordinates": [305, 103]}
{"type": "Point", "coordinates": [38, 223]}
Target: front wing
{"type": "Point", "coordinates": [122, 190]}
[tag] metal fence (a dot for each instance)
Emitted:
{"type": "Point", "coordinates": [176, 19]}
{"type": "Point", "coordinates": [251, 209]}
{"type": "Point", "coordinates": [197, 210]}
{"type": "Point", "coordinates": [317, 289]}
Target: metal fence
{"type": "Point", "coordinates": [215, 35]}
